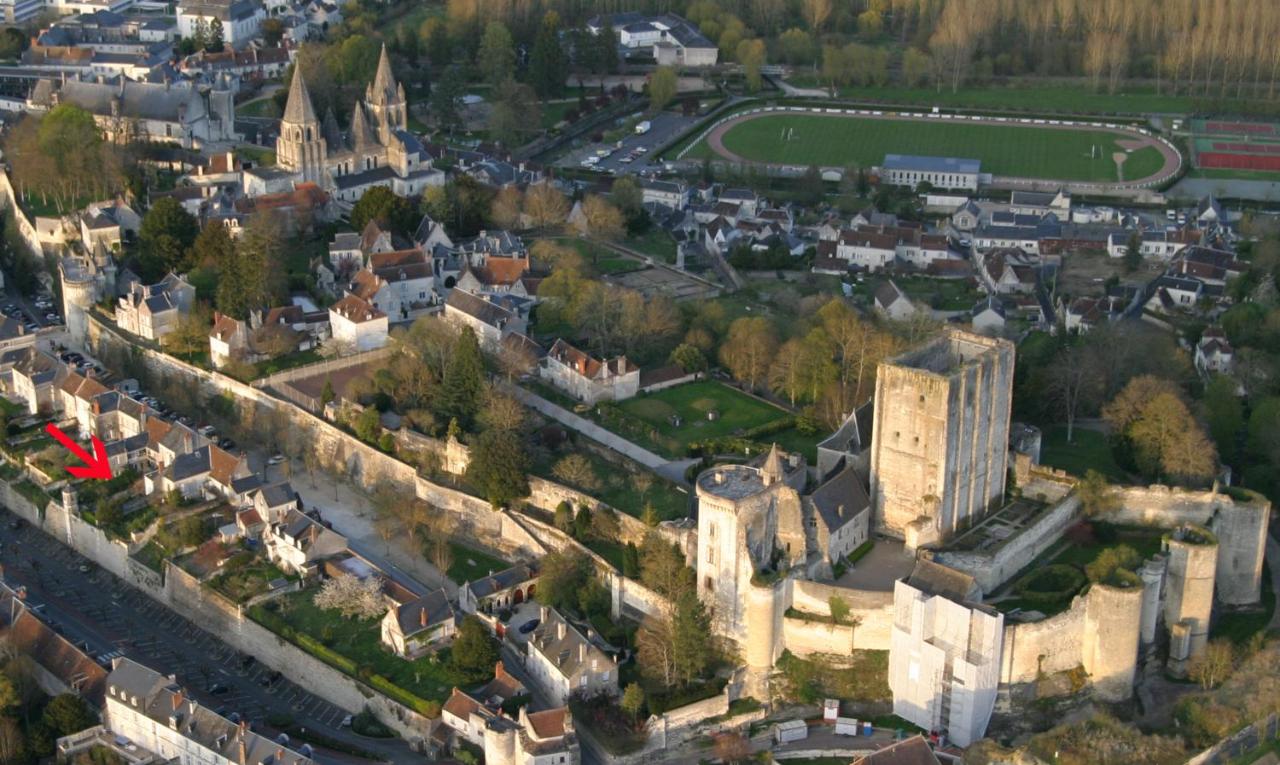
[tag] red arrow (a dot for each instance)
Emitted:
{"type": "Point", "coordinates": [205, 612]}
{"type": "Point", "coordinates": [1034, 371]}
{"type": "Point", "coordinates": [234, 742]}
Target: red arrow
{"type": "Point", "coordinates": [96, 467]}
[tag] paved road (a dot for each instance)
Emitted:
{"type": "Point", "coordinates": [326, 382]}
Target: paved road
{"type": "Point", "coordinates": [97, 610]}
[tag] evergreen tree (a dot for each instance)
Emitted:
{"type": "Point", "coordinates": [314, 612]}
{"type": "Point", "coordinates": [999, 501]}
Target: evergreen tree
{"type": "Point", "coordinates": [166, 235]}
{"type": "Point", "coordinates": [446, 100]}
{"type": "Point", "coordinates": [256, 276]}
{"type": "Point", "coordinates": [463, 385]}
{"type": "Point", "coordinates": [548, 66]}
{"type": "Point", "coordinates": [499, 467]}
{"type": "Point", "coordinates": [474, 651]}
{"type": "Point", "coordinates": [200, 34]}
{"type": "Point", "coordinates": [215, 36]}
{"type": "Point", "coordinates": [631, 561]}
{"type": "Point", "coordinates": [497, 55]}
{"type": "Point", "coordinates": [691, 630]}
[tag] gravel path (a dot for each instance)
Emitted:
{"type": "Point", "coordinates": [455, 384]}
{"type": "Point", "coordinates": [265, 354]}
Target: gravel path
{"type": "Point", "coordinates": [1135, 140]}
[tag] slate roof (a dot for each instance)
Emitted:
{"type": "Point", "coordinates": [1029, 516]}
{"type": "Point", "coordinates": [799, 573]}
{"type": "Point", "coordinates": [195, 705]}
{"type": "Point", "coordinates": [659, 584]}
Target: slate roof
{"type": "Point", "coordinates": [479, 308]}
{"type": "Point", "coordinates": [141, 100]}
{"type": "Point", "coordinates": [841, 499]}
{"type": "Point", "coordinates": [298, 108]}
{"type": "Point", "coordinates": [565, 653]}
{"type": "Point", "coordinates": [502, 580]}
{"type": "Point", "coordinates": [163, 700]}
{"type": "Point", "coordinates": [31, 637]}
{"type": "Point", "coordinates": [40, 367]}
{"type": "Point", "coordinates": [423, 613]}
{"type": "Point", "coordinates": [936, 579]}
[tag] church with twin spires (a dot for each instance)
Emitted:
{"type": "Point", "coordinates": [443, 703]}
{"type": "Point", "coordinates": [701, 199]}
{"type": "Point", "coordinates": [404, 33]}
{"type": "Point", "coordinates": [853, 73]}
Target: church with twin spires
{"type": "Point", "coordinates": [377, 148]}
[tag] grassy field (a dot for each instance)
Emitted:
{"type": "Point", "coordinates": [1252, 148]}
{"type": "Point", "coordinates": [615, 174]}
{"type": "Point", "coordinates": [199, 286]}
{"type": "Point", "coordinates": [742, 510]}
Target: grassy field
{"type": "Point", "coordinates": [942, 294]}
{"type": "Point", "coordinates": [470, 564]}
{"type": "Point", "coordinates": [1089, 452]}
{"type": "Point", "coordinates": [1032, 97]}
{"type": "Point", "coordinates": [1033, 152]}
{"type": "Point", "coordinates": [261, 107]}
{"type": "Point", "coordinates": [356, 645]}
{"type": "Point", "coordinates": [737, 412]}
{"type": "Point", "coordinates": [654, 242]}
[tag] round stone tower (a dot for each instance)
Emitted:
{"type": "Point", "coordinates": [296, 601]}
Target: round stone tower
{"type": "Point", "coordinates": [79, 293]}
{"type": "Point", "coordinates": [763, 638]}
{"type": "Point", "coordinates": [1113, 617]}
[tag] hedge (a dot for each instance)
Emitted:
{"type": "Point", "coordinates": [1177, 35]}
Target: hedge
{"type": "Point", "coordinates": [1051, 584]}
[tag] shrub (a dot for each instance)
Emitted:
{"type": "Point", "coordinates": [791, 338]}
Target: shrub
{"type": "Point", "coordinates": [1050, 584]}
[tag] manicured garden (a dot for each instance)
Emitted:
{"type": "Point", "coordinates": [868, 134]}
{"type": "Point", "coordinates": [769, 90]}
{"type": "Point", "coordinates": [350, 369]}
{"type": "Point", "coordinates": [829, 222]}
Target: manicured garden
{"type": "Point", "coordinates": [671, 421]}
{"type": "Point", "coordinates": [354, 646]}
{"type": "Point", "coordinates": [625, 491]}
{"type": "Point", "coordinates": [1022, 151]}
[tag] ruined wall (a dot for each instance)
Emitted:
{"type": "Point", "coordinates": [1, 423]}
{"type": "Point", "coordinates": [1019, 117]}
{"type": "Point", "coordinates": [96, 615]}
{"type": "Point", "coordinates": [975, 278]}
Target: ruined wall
{"type": "Point", "coordinates": [992, 568]}
{"type": "Point", "coordinates": [1188, 604]}
{"type": "Point", "coordinates": [873, 612]}
{"type": "Point", "coordinates": [1048, 646]}
{"type": "Point", "coordinates": [1241, 528]}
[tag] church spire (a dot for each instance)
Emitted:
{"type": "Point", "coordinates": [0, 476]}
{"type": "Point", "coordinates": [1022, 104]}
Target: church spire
{"type": "Point", "coordinates": [299, 109]}
{"type": "Point", "coordinates": [384, 89]}
{"type": "Point", "coordinates": [360, 136]}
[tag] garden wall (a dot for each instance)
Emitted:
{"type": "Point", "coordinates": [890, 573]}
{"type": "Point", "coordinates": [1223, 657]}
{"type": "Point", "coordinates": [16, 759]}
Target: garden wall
{"type": "Point", "coordinates": [27, 232]}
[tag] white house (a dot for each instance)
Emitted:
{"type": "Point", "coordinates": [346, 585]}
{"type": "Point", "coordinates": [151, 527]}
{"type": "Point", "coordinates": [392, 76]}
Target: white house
{"type": "Point", "coordinates": [563, 661]}
{"type": "Point", "coordinates": [413, 628]}
{"type": "Point", "coordinates": [358, 325]}
{"type": "Point", "coordinates": [241, 20]}
{"type": "Point", "coordinates": [588, 379]}
{"type": "Point", "coordinates": [1213, 352]}
{"type": "Point", "coordinates": [153, 311]}
{"type": "Point", "coordinates": [490, 321]}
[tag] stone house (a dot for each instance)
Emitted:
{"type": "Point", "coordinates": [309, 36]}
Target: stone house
{"type": "Point", "coordinates": [499, 590]}
{"type": "Point", "coordinates": [33, 380]}
{"type": "Point", "coordinates": [1213, 352]}
{"type": "Point", "coordinates": [204, 473]}
{"type": "Point", "coordinates": [588, 379]}
{"type": "Point", "coordinates": [413, 628]}
{"type": "Point", "coordinates": [490, 321]}
{"type": "Point", "coordinates": [153, 311]}
{"type": "Point", "coordinates": [562, 661]}
{"type": "Point", "coordinates": [892, 303]}
{"type": "Point", "coordinates": [75, 399]}
{"type": "Point", "coordinates": [298, 543]}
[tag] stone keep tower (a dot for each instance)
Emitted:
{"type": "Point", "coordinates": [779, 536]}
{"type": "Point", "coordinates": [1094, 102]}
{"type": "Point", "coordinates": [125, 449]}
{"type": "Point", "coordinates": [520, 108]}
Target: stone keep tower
{"type": "Point", "coordinates": [940, 436]}
{"type": "Point", "coordinates": [1188, 604]}
{"type": "Point", "coordinates": [301, 147]}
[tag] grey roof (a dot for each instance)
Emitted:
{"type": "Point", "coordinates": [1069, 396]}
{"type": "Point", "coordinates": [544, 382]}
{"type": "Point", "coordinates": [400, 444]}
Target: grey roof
{"type": "Point", "coordinates": [889, 293]}
{"type": "Point", "coordinates": [356, 180]}
{"type": "Point", "coordinates": [40, 367]}
{"type": "Point", "coordinates": [936, 579]}
{"type": "Point", "coordinates": [347, 240]}
{"type": "Point", "coordinates": [479, 308]}
{"type": "Point", "coordinates": [142, 100]}
{"type": "Point", "coordinates": [930, 164]}
{"type": "Point", "coordinates": [566, 649]}
{"type": "Point", "coordinates": [10, 328]}
{"type": "Point", "coordinates": [246, 484]}
{"type": "Point", "coordinates": [854, 434]}
{"type": "Point", "coordinates": [502, 580]}
{"type": "Point", "coordinates": [299, 108]}
{"type": "Point", "coordinates": [425, 612]}
{"type": "Point", "coordinates": [163, 700]}
{"type": "Point", "coordinates": [134, 443]}
{"type": "Point", "coordinates": [278, 494]}
{"type": "Point", "coordinates": [841, 499]}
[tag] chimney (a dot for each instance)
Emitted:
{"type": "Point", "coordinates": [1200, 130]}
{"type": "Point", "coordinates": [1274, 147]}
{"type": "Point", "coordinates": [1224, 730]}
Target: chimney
{"type": "Point", "coordinates": [582, 652]}
{"type": "Point", "coordinates": [422, 617]}
{"type": "Point", "coordinates": [542, 614]}
{"type": "Point", "coordinates": [176, 700]}
{"type": "Point", "coordinates": [560, 630]}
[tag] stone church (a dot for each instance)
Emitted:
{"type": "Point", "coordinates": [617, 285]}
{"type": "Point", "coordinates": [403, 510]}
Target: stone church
{"type": "Point", "coordinates": [377, 149]}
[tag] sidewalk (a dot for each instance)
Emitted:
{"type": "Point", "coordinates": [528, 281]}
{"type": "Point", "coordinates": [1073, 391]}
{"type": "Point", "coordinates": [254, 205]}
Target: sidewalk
{"type": "Point", "coordinates": [588, 428]}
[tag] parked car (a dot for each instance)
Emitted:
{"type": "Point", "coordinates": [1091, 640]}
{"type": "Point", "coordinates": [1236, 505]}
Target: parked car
{"type": "Point", "coordinates": [529, 626]}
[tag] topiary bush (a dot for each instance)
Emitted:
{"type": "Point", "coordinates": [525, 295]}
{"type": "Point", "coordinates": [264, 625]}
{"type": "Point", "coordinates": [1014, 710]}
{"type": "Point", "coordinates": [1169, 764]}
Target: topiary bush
{"type": "Point", "coordinates": [1051, 584]}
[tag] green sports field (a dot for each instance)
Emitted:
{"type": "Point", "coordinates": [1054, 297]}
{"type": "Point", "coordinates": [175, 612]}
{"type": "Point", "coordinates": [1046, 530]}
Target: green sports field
{"type": "Point", "coordinates": [1021, 151]}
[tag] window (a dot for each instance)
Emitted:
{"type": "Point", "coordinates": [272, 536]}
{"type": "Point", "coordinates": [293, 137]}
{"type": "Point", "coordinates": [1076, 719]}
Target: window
{"type": "Point", "coordinates": [708, 584]}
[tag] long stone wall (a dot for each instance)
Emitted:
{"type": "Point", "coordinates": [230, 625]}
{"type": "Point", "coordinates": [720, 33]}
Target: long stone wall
{"type": "Point", "coordinates": [1050, 645]}
{"type": "Point", "coordinates": [180, 591]}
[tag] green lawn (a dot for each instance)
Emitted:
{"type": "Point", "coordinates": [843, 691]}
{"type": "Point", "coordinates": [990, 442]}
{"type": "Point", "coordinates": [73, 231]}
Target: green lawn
{"type": "Point", "coordinates": [260, 156]}
{"type": "Point", "coordinates": [354, 646]}
{"type": "Point", "coordinates": [1239, 627]}
{"type": "Point", "coordinates": [942, 294]}
{"type": "Point", "coordinates": [649, 416]}
{"type": "Point", "coordinates": [470, 564]}
{"type": "Point", "coordinates": [1036, 97]}
{"type": "Point", "coordinates": [654, 242]}
{"type": "Point", "coordinates": [1147, 540]}
{"type": "Point", "coordinates": [617, 487]}
{"type": "Point", "coordinates": [265, 108]}
{"type": "Point", "coordinates": [1023, 151]}
{"type": "Point", "coordinates": [602, 259]}
{"type": "Point", "coordinates": [1089, 452]}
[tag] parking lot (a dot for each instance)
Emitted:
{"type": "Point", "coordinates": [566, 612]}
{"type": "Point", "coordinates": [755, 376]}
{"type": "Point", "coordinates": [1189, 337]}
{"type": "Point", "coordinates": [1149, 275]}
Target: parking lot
{"type": "Point", "coordinates": [33, 313]}
{"type": "Point", "coordinates": [108, 618]}
{"type": "Point", "coordinates": [633, 153]}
